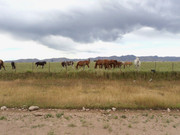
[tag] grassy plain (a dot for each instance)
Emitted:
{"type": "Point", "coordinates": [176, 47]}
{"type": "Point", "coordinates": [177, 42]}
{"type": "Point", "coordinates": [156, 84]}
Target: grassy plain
{"type": "Point", "coordinates": [56, 67]}
{"type": "Point", "coordinates": [71, 88]}
{"type": "Point", "coordinates": [91, 93]}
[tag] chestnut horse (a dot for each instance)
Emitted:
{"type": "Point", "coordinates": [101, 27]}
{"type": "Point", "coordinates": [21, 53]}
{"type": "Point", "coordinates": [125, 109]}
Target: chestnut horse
{"type": "Point", "coordinates": [2, 64]}
{"type": "Point", "coordinates": [106, 63]}
{"type": "Point", "coordinates": [99, 63]}
{"type": "Point", "coordinates": [83, 64]}
{"type": "Point", "coordinates": [127, 63]}
{"type": "Point", "coordinates": [113, 63]}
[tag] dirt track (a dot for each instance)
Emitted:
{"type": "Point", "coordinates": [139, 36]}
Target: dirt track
{"type": "Point", "coordinates": [93, 122]}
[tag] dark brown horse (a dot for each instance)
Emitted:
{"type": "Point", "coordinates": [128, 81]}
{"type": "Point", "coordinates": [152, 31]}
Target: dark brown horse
{"type": "Point", "coordinates": [13, 65]}
{"type": "Point", "coordinates": [83, 63]}
{"type": "Point", "coordinates": [2, 64]}
{"type": "Point", "coordinates": [119, 64]}
{"type": "Point", "coordinates": [112, 63]}
{"type": "Point", "coordinates": [40, 63]}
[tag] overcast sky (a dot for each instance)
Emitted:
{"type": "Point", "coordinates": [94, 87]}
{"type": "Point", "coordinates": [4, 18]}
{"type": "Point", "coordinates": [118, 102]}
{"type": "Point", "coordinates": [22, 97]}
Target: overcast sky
{"type": "Point", "coordinates": [88, 28]}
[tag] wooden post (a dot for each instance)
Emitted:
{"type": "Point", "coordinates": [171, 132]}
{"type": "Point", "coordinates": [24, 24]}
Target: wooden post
{"type": "Point", "coordinates": [172, 66]}
{"type": "Point", "coordinates": [66, 68]}
{"type": "Point", "coordinates": [49, 68]}
{"type": "Point", "coordinates": [32, 66]}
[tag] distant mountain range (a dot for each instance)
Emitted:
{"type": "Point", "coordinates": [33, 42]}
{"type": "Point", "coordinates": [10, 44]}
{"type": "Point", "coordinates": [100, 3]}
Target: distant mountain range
{"type": "Point", "coordinates": [119, 58]}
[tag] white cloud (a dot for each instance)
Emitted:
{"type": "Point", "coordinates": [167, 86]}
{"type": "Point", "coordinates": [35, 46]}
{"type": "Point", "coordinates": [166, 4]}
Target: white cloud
{"type": "Point", "coordinates": [80, 28]}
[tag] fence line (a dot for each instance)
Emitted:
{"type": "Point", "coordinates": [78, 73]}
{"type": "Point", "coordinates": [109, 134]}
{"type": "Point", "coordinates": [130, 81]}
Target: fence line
{"type": "Point", "coordinates": [56, 67]}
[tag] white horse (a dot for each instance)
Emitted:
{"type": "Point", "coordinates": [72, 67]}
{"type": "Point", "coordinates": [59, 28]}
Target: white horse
{"type": "Point", "coordinates": [137, 63]}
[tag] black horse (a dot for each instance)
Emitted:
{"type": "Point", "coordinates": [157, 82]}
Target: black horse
{"type": "Point", "coordinates": [2, 64]}
{"type": "Point", "coordinates": [41, 63]}
{"type": "Point", "coordinates": [13, 65]}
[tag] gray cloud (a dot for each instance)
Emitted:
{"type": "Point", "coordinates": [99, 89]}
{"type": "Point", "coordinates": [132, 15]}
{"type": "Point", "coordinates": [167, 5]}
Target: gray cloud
{"type": "Point", "coordinates": [109, 22]}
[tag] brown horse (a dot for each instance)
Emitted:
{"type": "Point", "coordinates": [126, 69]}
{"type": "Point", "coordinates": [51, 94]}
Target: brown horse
{"type": "Point", "coordinates": [106, 63]}
{"type": "Point", "coordinates": [83, 64]}
{"type": "Point", "coordinates": [113, 63]}
{"type": "Point", "coordinates": [119, 64]}
{"type": "Point", "coordinates": [99, 63]}
{"type": "Point", "coordinates": [2, 64]}
{"type": "Point", "coordinates": [127, 63]}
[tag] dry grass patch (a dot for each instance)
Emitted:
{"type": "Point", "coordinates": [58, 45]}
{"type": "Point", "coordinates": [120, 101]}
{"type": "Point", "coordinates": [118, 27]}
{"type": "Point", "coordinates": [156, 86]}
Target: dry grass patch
{"type": "Point", "coordinates": [99, 93]}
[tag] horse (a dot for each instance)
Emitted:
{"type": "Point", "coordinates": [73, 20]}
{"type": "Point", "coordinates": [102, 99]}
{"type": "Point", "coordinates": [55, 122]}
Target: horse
{"type": "Point", "coordinates": [119, 64]}
{"type": "Point", "coordinates": [83, 63]}
{"type": "Point", "coordinates": [13, 65]}
{"type": "Point", "coordinates": [127, 64]}
{"type": "Point", "coordinates": [98, 63]}
{"type": "Point", "coordinates": [67, 63]}
{"type": "Point", "coordinates": [112, 63]}
{"type": "Point", "coordinates": [2, 64]}
{"type": "Point", "coordinates": [137, 63]}
{"type": "Point", "coordinates": [41, 63]}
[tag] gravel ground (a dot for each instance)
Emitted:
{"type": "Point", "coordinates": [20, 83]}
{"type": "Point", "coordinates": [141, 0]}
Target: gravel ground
{"type": "Point", "coordinates": [89, 122]}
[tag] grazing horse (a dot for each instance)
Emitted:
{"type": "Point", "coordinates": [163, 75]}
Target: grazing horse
{"type": "Point", "coordinates": [119, 64]}
{"type": "Point", "coordinates": [2, 64]}
{"type": "Point", "coordinates": [127, 63]}
{"type": "Point", "coordinates": [137, 63]}
{"type": "Point", "coordinates": [99, 63]}
{"type": "Point", "coordinates": [41, 63]}
{"type": "Point", "coordinates": [106, 63]}
{"type": "Point", "coordinates": [83, 64]}
{"type": "Point", "coordinates": [112, 63]}
{"type": "Point", "coordinates": [67, 63]}
{"type": "Point", "coordinates": [13, 65]}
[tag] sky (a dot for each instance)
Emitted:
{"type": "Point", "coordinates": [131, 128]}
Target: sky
{"type": "Point", "coordinates": [88, 28]}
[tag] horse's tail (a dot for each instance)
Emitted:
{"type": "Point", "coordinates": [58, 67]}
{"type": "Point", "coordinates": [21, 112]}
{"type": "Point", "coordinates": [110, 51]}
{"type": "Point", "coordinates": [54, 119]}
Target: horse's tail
{"type": "Point", "coordinates": [3, 66]}
{"type": "Point", "coordinates": [77, 65]}
{"type": "Point", "coordinates": [95, 65]}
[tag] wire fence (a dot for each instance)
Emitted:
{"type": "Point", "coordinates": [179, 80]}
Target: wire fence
{"type": "Point", "coordinates": [57, 67]}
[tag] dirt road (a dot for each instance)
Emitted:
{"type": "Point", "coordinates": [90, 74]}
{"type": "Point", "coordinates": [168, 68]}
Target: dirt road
{"type": "Point", "coordinates": [92, 122]}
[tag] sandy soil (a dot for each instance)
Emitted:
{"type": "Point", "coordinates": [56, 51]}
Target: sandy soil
{"type": "Point", "coordinates": [93, 122]}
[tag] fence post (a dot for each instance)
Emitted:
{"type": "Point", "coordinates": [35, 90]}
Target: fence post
{"type": "Point", "coordinates": [49, 67]}
{"type": "Point", "coordinates": [32, 66]}
{"type": "Point", "coordinates": [172, 66]}
{"type": "Point", "coordinates": [155, 66]}
{"type": "Point", "coordinates": [66, 68]}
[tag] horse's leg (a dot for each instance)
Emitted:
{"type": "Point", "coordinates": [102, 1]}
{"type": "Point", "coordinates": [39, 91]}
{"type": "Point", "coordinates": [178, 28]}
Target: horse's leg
{"type": "Point", "coordinates": [3, 67]}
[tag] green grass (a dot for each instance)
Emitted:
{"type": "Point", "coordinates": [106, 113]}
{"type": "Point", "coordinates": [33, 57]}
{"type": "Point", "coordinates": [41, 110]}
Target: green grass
{"type": "Point", "coordinates": [56, 67]}
{"type": "Point", "coordinates": [165, 71]}
{"type": "Point", "coordinates": [59, 115]}
{"type": "Point", "coordinates": [3, 118]}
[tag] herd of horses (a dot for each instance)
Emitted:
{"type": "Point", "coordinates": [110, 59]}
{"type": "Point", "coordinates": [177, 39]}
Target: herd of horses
{"type": "Point", "coordinates": [103, 63]}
